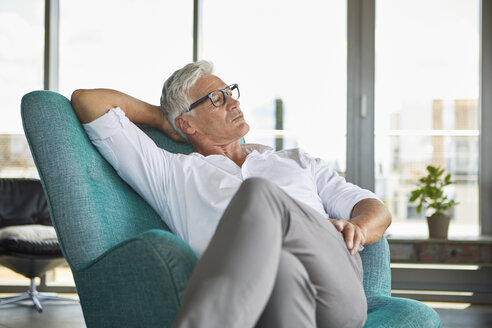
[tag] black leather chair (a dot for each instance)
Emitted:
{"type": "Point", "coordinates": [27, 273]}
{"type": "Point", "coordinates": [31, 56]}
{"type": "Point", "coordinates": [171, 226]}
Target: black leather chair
{"type": "Point", "coordinates": [28, 242]}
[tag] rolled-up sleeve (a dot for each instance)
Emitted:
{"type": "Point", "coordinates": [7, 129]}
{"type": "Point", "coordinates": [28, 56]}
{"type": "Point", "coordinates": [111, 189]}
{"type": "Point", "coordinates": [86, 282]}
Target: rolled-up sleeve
{"type": "Point", "coordinates": [134, 155]}
{"type": "Point", "coordinates": [338, 196]}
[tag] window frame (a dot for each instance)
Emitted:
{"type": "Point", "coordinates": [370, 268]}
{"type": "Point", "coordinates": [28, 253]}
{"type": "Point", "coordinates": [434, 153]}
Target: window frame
{"type": "Point", "coordinates": [360, 147]}
{"type": "Point", "coordinates": [485, 101]}
{"type": "Point", "coordinates": [360, 102]}
{"type": "Point", "coordinates": [51, 44]}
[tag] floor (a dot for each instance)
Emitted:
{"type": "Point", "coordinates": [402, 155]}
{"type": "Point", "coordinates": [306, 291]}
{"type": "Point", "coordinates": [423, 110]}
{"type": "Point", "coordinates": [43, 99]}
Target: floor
{"type": "Point", "coordinates": [54, 315]}
{"type": "Point", "coordinates": [62, 315]}
{"type": "Point", "coordinates": [473, 316]}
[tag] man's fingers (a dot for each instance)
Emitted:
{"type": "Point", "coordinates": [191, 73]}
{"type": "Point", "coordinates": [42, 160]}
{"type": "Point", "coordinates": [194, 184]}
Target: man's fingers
{"type": "Point", "coordinates": [357, 241]}
{"type": "Point", "coordinates": [339, 224]}
{"type": "Point", "coordinates": [348, 233]}
{"type": "Point", "coordinates": [352, 234]}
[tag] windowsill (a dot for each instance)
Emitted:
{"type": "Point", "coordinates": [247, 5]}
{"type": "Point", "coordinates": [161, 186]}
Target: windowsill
{"type": "Point", "coordinates": [473, 250]}
{"type": "Point", "coordinates": [419, 230]}
{"type": "Point", "coordinates": [483, 239]}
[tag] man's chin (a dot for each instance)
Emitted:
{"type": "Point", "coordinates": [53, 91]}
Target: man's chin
{"type": "Point", "coordinates": [245, 129]}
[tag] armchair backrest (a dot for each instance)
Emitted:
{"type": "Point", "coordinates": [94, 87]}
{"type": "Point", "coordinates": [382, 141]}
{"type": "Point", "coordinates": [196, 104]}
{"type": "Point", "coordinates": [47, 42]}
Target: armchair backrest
{"type": "Point", "coordinates": [91, 207]}
{"type": "Point", "coordinates": [22, 202]}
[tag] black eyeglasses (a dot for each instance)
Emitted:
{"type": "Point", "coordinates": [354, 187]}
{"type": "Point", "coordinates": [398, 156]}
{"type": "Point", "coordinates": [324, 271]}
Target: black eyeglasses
{"type": "Point", "coordinates": [218, 97]}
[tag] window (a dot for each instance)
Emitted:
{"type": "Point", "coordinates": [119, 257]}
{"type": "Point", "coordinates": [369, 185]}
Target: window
{"type": "Point", "coordinates": [290, 61]}
{"type": "Point", "coordinates": [133, 49]}
{"type": "Point", "coordinates": [426, 105]}
{"type": "Point", "coordinates": [130, 49]}
{"type": "Point", "coordinates": [128, 45]}
{"type": "Point", "coordinates": [21, 64]}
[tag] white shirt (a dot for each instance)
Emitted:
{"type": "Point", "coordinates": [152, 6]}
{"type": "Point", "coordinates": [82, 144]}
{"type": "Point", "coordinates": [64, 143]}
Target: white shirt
{"type": "Point", "coordinates": [191, 192]}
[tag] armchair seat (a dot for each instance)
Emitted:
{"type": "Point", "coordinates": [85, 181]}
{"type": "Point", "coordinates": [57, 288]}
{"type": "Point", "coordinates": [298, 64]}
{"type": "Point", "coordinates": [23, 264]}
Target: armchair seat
{"type": "Point", "coordinates": [31, 239]}
{"type": "Point", "coordinates": [410, 313]}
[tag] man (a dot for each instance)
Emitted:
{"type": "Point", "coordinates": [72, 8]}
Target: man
{"type": "Point", "coordinates": [277, 233]}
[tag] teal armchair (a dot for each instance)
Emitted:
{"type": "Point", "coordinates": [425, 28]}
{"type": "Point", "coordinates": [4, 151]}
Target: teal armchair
{"type": "Point", "coordinates": [129, 269]}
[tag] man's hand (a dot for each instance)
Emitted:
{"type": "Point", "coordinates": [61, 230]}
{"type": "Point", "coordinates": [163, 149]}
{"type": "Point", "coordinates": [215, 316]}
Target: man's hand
{"type": "Point", "coordinates": [354, 235]}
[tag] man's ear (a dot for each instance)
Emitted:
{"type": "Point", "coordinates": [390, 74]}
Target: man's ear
{"type": "Point", "coordinates": [183, 124]}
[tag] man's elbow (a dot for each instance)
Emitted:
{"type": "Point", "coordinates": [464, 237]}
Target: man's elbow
{"type": "Point", "coordinates": [385, 220]}
{"type": "Point", "coordinates": [77, 94]}
{"type": "Point", "coordinates": [77, 100]}
{"type": "Point", "coordinates": [85, 105]}
{"type": "Point", "coordinates": [383, 213]}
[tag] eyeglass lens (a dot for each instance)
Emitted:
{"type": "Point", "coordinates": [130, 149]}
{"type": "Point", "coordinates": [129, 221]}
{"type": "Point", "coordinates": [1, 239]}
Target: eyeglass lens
{"type": "Point", "coordinates": [219, 97]}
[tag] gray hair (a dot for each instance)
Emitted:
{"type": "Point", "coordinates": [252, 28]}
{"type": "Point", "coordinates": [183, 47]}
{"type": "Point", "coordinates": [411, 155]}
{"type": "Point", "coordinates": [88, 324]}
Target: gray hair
{"type": "Point", "coordinates": [174, 97]}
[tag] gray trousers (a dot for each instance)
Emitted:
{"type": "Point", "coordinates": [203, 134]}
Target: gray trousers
{"type": "Point", "coordinates": [274, 262]}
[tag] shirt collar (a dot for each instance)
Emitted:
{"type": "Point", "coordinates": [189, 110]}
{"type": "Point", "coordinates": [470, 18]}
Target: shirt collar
{"type": "Point", "coordinates": [248, 149]}
{"type": "Point", "coordinates": [251, 148]}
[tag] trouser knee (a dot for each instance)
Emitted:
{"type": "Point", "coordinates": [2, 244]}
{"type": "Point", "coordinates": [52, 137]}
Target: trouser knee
{"type": "Point", "coordinates": [255, 201]}
{"type": "Point", "coordinates": [257, 184]}
{"type": "Point", "coordinates": [258, 190]}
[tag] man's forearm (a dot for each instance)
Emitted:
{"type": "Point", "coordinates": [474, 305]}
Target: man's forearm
{"type": "Point", "coordinates": [372, 217]}
{"type": "Point", "coordinates": [91, 104]}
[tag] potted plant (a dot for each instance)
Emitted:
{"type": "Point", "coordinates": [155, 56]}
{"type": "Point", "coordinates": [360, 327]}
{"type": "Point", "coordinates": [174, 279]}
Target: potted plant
{"type": "Point", "coordinates": [430, 193]}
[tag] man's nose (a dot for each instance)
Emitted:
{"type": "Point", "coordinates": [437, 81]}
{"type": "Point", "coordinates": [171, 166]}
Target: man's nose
{"type": "Point", "coordinates": [231, 103]}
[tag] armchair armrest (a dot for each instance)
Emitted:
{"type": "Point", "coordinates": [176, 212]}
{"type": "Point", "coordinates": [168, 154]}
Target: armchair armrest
{"type": "Point", "coordinates": [384, 310]}
{"type": "Point", "coordinates": [140, 282]}
{"type": "Point", "coordinates": [377, 272]}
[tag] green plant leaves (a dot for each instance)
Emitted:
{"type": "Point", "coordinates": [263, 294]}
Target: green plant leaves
{"type": "Point", "coordinates": [430, 191]}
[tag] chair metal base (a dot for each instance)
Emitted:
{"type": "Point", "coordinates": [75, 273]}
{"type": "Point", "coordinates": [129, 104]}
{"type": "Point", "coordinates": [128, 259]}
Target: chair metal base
{"type": "Point", "coordinates": [35, 296]}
